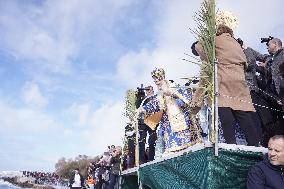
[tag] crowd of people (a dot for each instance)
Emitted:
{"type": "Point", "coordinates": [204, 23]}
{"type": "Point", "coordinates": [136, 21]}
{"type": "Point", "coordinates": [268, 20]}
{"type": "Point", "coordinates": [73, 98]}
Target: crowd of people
{"type": "Point", "coordinates": [102, 174]}
{"type": "Point", "coordinates": [45, 178]}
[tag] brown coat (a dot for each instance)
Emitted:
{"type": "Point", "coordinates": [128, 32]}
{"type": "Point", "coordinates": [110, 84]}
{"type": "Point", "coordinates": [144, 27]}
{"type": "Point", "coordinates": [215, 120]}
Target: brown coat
{"type": "Point", "coordinates": [233, 90]}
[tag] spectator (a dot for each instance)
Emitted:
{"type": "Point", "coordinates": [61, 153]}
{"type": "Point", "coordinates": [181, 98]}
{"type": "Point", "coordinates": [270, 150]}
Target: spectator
{"type": "Point", "coordinates": [115, 168]}
{"type": "Point", "coordinates": [90, 182]}
{"type": "Point", "coordinates": [76, 180]}
{"type": "Point", "coordinates": [269, 173]}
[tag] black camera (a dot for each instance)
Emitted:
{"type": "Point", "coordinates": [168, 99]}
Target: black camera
{"type": "Point", "coordinates": [140, 90]}
{"type": "Point", "coordinates": [193, 50]}
{"type": "Point", "coordinates": [266, 40]}
{"type": "Point", "coordinates": [140, 95]}
{"type": "Point", "coordinates": [240, 41]}
{"type": "Point", "coordinates": [192, 81]}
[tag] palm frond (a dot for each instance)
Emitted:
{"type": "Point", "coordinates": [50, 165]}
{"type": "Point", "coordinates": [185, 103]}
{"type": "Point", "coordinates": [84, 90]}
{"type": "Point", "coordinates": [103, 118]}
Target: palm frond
{"type": "Point", "coordinates": [130, 107]}
{"type": "Point", "coordinates": [205, 31]}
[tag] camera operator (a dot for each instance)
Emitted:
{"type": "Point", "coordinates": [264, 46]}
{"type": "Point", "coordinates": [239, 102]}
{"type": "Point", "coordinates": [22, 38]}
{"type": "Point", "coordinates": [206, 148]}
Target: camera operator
{"type": "Point", "coordinates": [268, 80]}
{"type": "Point", "coordinates": [143, 128]}
{"type": "Point", "coordinates": [255, 80]}
{"type": "Point", "coordinates": [274, 47]}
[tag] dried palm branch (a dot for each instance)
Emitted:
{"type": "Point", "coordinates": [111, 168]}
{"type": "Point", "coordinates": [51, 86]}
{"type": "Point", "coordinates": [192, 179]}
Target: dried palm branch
{"type": "Point", "coordinates": [130, 107]}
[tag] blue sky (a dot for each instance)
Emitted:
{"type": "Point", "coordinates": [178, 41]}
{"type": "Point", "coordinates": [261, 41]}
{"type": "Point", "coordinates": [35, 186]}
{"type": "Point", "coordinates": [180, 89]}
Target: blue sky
{"type": "Point", "coordinates": [65, 66]}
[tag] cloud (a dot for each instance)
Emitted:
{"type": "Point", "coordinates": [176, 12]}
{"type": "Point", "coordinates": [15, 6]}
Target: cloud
{"type": "Point", "coordinates": [171, 33]}
{"type": "Point", "coordinates": [81, 111]}
{"type": "Point", "coordinates": [32, 95]}
{"type": "Point", "coordinates": [51, 34]}
{"type": "Point", "coordinates": [107, 127]}
{"type": "Point", "coordinates": [32, 136]}
{"type": "Point", "coordinates": [23, 119]}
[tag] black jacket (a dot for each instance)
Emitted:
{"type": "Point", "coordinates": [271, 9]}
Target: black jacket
{"type": "Point", "coordinates": [266, 176]}
{"type": "Point", "coordinates": [250, 73]}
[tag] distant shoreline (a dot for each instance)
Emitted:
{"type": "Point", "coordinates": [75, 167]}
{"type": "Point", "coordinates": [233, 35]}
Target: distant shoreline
{"type": "Point", "coordinates": [16, 181]}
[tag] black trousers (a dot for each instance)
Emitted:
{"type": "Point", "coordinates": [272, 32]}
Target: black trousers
{"type": "Point", "coordinates": [272, 121]}
{"type": "Point", "coordinates": [131, 151]}
{"type": "Point", "coordinates": [143, 130]}
{"type": "Point", "coordinates": [257, 116]}
{"type": "Point", "coordinates": [228, 116]}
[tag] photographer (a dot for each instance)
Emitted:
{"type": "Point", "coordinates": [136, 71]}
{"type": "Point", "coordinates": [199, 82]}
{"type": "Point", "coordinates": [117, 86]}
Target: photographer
{"type": "Point", "coordinates": [256, 79]}
{"type": "Point", "coordinates": [274, 47]}
{"type": "Point", "coordinates": [267, 78]}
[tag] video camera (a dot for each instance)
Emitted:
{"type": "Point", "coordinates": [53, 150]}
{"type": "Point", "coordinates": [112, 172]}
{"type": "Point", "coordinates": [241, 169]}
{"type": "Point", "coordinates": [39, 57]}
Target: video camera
{"type": "Point", "coordinates": [141, 90]}
{"type": "Point", "coordinates": [140, 95]}
{"type": "Point", "coordinates": [240, 41]}
{"type": "Point", "coordinates": [266, 40]}
{"type": "Point", "coordinates": [192, 81]}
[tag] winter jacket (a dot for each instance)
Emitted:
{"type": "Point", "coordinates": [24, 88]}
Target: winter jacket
{"type": "Point", "coordinates": [233, 89]}
{"type": "Point", "coordinates": [264, 175]}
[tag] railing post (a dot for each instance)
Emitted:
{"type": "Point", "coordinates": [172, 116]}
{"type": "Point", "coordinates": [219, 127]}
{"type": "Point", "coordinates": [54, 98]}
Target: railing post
{"type": "Point", "coordinates": [216, 116]}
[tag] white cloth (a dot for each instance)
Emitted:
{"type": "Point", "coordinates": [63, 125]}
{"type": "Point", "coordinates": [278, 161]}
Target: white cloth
{"type": "Point", "coordinates": [77, 181]}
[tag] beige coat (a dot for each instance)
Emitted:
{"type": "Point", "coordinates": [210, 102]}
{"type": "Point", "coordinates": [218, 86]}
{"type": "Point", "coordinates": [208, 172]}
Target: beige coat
{"type": "Point", "coordinates": [233, 90]}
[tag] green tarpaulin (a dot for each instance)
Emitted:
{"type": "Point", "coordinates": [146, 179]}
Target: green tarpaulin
{"type": "Point", "coordinates": [200, 169]}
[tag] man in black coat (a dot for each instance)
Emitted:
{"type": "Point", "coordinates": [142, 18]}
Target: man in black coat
{"type": "Point", "coordinates": [143, 130]}
{"type": "Point", "coordinates": [269, 173]}
{"type": "Point", "coordinates": [262, 115]}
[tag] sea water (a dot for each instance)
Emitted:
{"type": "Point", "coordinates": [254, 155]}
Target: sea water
{"type": "Point", "coordinates": [7, 185]}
